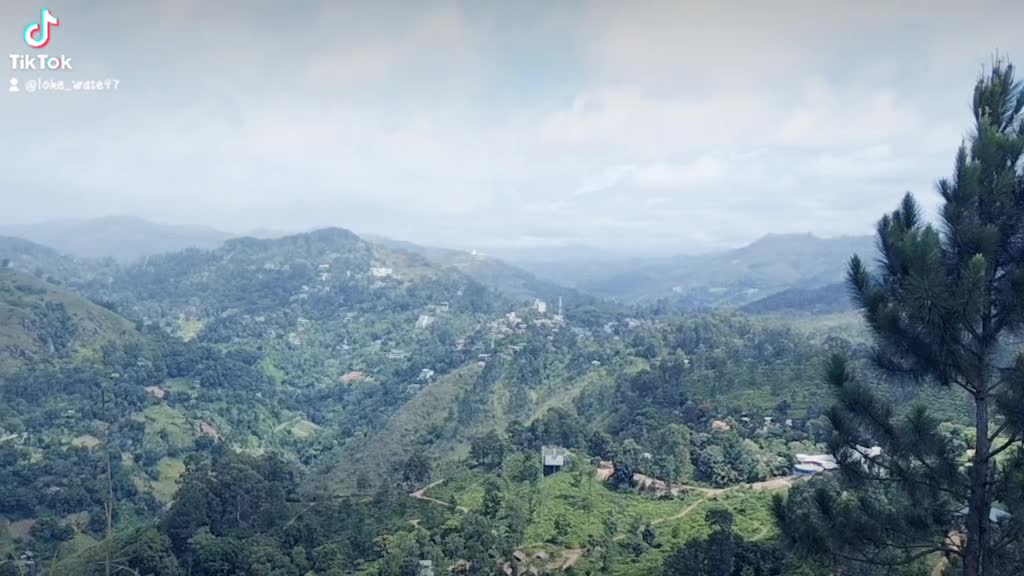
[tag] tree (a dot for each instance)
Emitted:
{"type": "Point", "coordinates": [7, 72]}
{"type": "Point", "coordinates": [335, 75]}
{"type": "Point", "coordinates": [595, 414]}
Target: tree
{"type": "Point", "coordinates": [517, 519]}
{"type": "Point", "coordinates": [600, 444]}
{"type": "Point", "coordinates": [478, 542]}
{"type": "Point", "coordinates": [627, 460]}
{"type": "Point", "coordinates": [524, 468]}
{"type": "Point", "coordinates": [151, 553]}
{"type": "Point", "coordinates": [493, 498]}
{"type": "Point", "coordinates": [940, 308]}
{"type": "Point", "coordinates": [48, 529]}
{"type": "Point", "coordinates": [416, 469]}
{"type": "Point", "coordinates": [519, 437]}
{"type": "Point", "coordinates": [563, 526]}
{"type": "Point", "coordinates": [671, 447]}
{"type": "Point", "coordinates": [721, 543]}
{"type": "Point", "coordinates": [488, 450]}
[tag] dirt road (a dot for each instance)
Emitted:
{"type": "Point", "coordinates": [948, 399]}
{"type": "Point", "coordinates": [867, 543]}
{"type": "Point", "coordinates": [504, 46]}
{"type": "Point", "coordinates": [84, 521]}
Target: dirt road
{"type": "Point", "coordinates": [421, 494]}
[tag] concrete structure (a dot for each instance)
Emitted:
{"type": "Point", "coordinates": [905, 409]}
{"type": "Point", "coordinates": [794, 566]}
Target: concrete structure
{"type": "Point", "coordinates": [806, 469]}
{"type": "Point", "coordinates": [554, 458]}
{"type": "Point", "coordinates": [824, 462]}
{"type": "Point", "coordinates": [720, 426]}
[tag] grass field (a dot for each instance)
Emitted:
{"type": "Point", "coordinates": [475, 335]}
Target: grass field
{"type": "Point", "coordinates": [167, 423]}
{"type": "Point", "coordinates": [168, 470]}
{"type": "Point", "coordinates": [587, 505]}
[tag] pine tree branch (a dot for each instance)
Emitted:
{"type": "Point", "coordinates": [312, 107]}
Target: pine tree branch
{"type": "Point", "coordinates": [902, 562]}
{"type": "Point", "coordinates": [1010, 442]}
{"type": "Point", "coordinates": [903, 477]}
{"type": "Point", "coordinates": [992, 437]}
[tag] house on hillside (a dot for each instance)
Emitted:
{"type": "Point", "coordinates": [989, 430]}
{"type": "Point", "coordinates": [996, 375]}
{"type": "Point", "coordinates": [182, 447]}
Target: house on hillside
{"type": "Point", "coordinates": [554, 458]}
{"type": "Point", "coordinates": [811, 464]}
{"type": "Point", "coordinates": [720, 426]}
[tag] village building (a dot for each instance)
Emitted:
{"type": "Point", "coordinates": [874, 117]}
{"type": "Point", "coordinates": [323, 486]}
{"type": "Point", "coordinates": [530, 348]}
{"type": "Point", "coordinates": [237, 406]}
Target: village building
{"type": "Point", "coordinates": [554, 458]}
{"type": "Point", "coordinates": [156, 392]}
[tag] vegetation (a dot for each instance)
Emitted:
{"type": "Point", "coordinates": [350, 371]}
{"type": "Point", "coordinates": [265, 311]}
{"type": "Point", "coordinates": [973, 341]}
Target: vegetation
{"type": "Point", "coordinates": [320, 404]}
{"type": "Point", "coordinates": [942, 308]}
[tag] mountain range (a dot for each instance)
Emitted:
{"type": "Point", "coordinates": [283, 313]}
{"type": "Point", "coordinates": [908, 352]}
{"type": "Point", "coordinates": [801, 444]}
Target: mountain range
{"type": "Point", "coordinates": [772, 265]}
{"type": "Point", "coordinates": [123, 238]}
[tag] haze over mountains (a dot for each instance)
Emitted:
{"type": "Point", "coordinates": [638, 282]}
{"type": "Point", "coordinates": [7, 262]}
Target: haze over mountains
{"type": "Point", "coordinates": [772, 265]}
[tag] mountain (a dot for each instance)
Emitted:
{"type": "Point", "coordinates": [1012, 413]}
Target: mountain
{"type": "Point", "coordinates": [32, 258]}
{"type": "Point", "coordinates": [512, 281]}
{"type": "Point", "coordinates": [264, 378]}
{"type": "Point", "coordinates": [826, 299]}
{"type": "Point", "coordinates": [41, 321]}
{"type": "Point", "coordinates": [736, 277]}
{"type": "Point", "coordinates": [123, 238]}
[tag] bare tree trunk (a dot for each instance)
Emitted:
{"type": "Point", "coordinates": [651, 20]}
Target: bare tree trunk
{"type": "Point", "coordinates": [977, 557]}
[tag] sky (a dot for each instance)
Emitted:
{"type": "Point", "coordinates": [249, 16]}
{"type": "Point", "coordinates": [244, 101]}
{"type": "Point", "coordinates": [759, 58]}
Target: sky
{"type": "Point", "coordinates": [663, 126]}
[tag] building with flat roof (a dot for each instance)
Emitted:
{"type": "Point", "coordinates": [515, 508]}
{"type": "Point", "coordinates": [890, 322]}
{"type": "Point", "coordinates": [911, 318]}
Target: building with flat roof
{"type": "Point", "coordinates": [554, 458]}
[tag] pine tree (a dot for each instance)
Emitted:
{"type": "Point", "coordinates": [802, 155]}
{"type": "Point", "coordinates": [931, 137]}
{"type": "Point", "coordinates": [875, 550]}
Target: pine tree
{"type": "Point", "coordinates": [943, 306]}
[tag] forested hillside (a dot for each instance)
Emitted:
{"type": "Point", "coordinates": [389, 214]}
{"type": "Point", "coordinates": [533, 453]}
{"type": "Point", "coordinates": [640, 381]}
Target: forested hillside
{"type": "Point", "coordinates": [494, 273]}
{"type": "Point", "coordinates": [321, 368]}
{"type": "Point", "coordinates": [42, 322]}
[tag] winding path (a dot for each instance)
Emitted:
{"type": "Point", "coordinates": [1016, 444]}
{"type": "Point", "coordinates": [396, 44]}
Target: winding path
{"type": "Point", "coordinates": [421, 494]}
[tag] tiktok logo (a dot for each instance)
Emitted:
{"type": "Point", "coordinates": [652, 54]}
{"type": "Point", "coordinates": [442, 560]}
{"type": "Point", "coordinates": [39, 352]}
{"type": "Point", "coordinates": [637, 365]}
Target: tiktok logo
{"type": "Point", "coordinates": [37, 34]}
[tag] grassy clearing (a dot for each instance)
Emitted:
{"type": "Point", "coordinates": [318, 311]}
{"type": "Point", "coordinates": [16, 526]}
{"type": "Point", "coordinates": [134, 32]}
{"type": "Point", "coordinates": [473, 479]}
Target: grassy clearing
{"type": "Point", "coordinates": [273, 372]}
{"type": "Point", "coordinates": [189, 328]}
{"type": "Point", "coordinates": [181, 386]}
{"type": "Point", "coordinates": [85, 441]}
{"type": "Point", "coordinates": [166, 485]}
{"type": "Point", "coordinates": [586, 506]}
{"type": "Point", "coordinates": [168, 424]}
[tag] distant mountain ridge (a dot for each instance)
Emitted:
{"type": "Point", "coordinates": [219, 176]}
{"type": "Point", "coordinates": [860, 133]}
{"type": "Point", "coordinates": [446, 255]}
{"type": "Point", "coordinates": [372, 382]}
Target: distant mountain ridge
{"type": "Point", "coordinates": [770, 265]}
{"type": "Point", "coordinates": [510, 280]}
{"type": "Point", "coordinates": [827, 299]}
{"type": "Point", "coordinates": [776, 264]}
{"type": "Point", "coordinates": [123, 238]}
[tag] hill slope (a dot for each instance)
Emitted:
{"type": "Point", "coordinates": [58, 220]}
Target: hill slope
{"type": "Point", "coordinates": [512, 281]}
{"type": "Point", "coordinates": [39, 320]}
{"type": "Point", "coordinates": [827, 299]}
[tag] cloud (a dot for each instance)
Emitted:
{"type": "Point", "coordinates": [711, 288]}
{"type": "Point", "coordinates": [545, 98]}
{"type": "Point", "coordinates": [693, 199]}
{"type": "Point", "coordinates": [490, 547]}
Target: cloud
{"type": "Point", "coordinates": [648, 126]}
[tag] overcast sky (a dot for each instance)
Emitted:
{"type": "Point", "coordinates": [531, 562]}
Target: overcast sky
{"type": "Point", "coordinates": [651, 126]}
